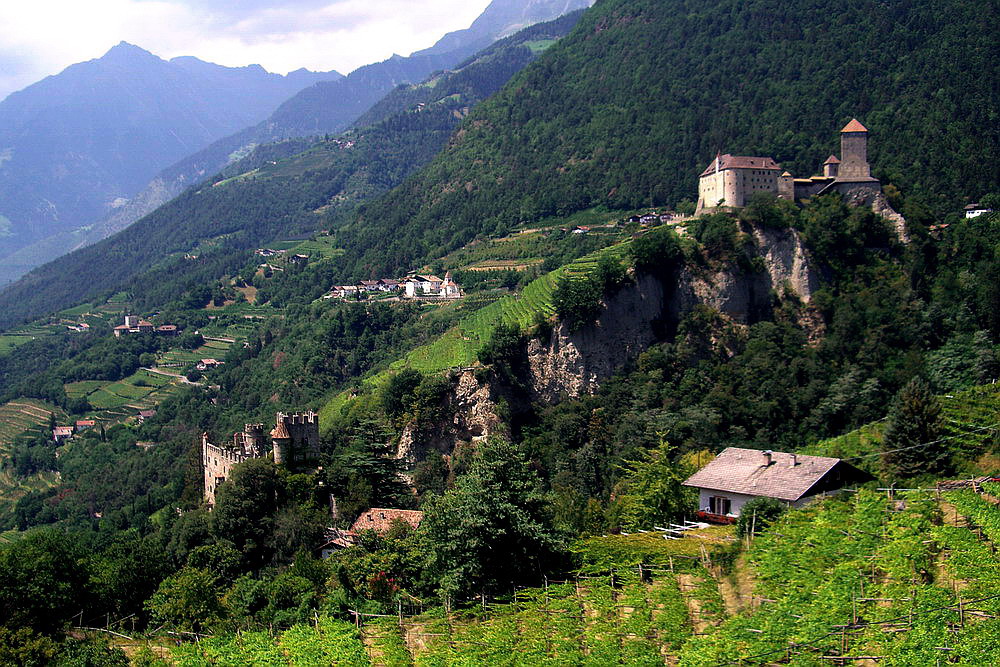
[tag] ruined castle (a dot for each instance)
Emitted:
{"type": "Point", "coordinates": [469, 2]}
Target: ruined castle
{"type": "Point", "coordinates": [731, 180]}
{"type": "Point", "coordinates": [293, 442]}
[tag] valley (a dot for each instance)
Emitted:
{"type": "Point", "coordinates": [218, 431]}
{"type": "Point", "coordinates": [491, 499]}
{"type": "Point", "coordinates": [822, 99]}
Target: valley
{"type": "Point", "coordinates": [535, 351]}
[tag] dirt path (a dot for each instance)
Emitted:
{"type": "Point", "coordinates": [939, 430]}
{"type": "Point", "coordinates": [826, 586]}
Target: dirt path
{"type": "Point", "coordinates": [688, 583]}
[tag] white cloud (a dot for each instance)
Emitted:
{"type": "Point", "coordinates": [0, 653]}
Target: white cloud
{"type": "Point", "coordinates": [42, 37]}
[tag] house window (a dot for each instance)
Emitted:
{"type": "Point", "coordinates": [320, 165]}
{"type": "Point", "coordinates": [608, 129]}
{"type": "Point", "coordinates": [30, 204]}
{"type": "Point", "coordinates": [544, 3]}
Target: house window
{"type": "Point", "coordinates": [718, 505]}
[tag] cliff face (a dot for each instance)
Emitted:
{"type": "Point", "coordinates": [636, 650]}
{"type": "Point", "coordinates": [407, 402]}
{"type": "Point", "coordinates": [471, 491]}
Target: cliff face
{"type": "Point", "coordinates": [572, 363]}
{"type": "Point", "coordinates": [473, 414]}
{"type": "Point", "coordinates": [576, 362]}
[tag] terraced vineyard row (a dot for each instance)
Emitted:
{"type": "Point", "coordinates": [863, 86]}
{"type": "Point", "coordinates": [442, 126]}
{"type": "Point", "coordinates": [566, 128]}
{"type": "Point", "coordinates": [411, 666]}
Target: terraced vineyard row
{"type": "Point", "coordinates": [23, 415]}
{"type": "Point", "coordinates": [858, 577]}
{"type": "Point", "coordinates": [328, 642]}
{"type": "Point", "coordinates": [970, 424]}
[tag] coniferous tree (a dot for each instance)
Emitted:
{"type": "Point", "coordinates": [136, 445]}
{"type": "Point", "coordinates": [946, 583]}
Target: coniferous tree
{"type": "Point", "coordinates": [910, 446]}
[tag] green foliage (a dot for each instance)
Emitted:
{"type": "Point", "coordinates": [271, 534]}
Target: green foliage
{"type": "Point", "coordinates": [657, 252]}
{"type": "Point", "coordinates": [651, 492]}
{"type": "Point", "coordinates": [911, 444]}
{"type": "Point", "coordinates": [43, 581]}
{"type": "Point", "coordinates": [491, 528]}
{"type": "Point", "coordinates": [398, 392]}
{"type": "Point", "coordinates": [757, 514]}
{"type": "Point", "coordinates": [245, 506]}
{"type": "Point", "coordinates": [187, 600]}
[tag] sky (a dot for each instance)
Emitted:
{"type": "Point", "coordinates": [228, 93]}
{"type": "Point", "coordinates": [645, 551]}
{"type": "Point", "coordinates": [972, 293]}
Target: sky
{"type": "Point", "coordinates": [43, 37]}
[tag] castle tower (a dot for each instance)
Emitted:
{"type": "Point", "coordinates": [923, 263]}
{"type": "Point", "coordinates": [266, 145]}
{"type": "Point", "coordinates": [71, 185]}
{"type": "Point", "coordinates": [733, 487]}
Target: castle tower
{"type": "Point", "coordinates": [254, 442]}
{"type": "Point", "coordinates": [831, 166]}
{"type": "Point", "coordinates": [786, 186]}
{"type": "Point", "coordinates": [281, 441]}
{"type": "Point", "coordinates": [854, 152]}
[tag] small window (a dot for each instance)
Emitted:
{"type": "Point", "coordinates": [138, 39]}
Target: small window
{"type": "Point", "coordinates": [719, 505]}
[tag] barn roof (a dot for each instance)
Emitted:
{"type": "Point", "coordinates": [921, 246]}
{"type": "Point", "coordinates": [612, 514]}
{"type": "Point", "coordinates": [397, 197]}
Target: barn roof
{"type": "Point", "coordinates": [746, 471]}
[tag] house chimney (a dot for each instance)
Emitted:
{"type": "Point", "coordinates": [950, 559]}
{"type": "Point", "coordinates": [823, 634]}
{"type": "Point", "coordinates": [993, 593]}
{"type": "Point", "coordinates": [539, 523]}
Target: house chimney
{"type": "Point", "coordinates": [767, 457]}
{"type": "Point", "coordinates": [795, 460]}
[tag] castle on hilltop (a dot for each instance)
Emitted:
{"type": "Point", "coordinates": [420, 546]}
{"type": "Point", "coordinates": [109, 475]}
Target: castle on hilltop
{"type": "Point", "coordinates": [731, 180]}
{"type": "Point", "coordinates": [294, 442]}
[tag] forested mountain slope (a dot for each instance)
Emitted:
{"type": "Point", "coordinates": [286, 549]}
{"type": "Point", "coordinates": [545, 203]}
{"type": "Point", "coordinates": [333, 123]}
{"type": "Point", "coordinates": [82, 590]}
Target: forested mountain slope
{"type": "Point", "coordinates": [271, 193]}
{"type": "Point", "coordinates": [78, 144]}
{"type": "Point", "coordinates": [627, 110]}
{"type": "Point", "coordinates": [330, 107]}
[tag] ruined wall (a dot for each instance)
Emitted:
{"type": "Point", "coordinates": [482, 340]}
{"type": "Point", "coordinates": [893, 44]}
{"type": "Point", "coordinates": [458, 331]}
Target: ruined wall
{"type": "Point", "coordinates": [217, 465]}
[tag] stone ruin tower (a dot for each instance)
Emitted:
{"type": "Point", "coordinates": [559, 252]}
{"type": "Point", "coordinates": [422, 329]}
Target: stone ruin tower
{"type": "Point", "coordinates": [295, 439]}
{"type": "Point", "coordinates": [294, 442]}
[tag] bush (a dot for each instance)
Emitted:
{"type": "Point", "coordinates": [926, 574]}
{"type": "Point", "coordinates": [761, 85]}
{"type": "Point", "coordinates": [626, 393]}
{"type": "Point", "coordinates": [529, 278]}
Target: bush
{"type": "Point", "coordinates": [657, 252]}
{"type": "Point", "coordinates": [758, 514]}
{"type": "Point", "coordinates": [577, 300]}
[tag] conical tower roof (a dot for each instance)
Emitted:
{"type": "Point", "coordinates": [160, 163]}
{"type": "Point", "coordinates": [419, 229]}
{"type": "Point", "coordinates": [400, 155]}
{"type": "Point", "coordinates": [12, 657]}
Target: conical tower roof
{"type": "Point", "coordinates": [280, 432]}
{"type": "Point", "coordinates": [854, 126]}
{"type": "Point", "coordinates": [832, 159]}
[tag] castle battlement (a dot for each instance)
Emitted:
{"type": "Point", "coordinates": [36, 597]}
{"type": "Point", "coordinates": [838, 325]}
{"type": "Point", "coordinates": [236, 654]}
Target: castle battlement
{"type": "Point", "coordinates": [293, 442]}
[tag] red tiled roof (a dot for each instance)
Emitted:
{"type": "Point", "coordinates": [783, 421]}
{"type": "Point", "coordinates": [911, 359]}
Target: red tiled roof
{"type": "Point", "coordinates": [280, 431]}
{"type": "Point", "coordinates": [62, 430]}
{"type": "Point", "coordinates": [144, 323]}
{"type": "Point", "coordinates": [854, 126]}
{"type": "Point", "coordinates": [832, 159]}
{"type": "Point", "coordinates": [728, 161]}
{"type": "Point", "coordinates": [121, 327]}
{"type": "Point", "coordinates": [85, 422]}
{"type": "Point", "coordinates": [380, 519]}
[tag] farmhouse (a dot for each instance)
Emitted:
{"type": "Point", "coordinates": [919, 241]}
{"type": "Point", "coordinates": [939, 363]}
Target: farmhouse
{"type": "Point", "coordinates": [134, 325]}
{"type": "Point", "coordinates": [61, 434]}
{"type": "Point", "coordinates": [976, 210]}
{"type": "Point", "coordinates": [739, 475]}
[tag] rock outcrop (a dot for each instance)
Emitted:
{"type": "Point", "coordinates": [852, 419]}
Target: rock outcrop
{"type": "Point", "coordinates": [473, 414]}
{"type": "Point", "coordinates": [572, 363]}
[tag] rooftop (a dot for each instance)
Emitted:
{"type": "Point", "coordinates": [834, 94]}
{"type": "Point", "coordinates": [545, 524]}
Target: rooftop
{"type": "Point", "coordinates": [787, 477]}
{"type": "Point", "coordinates": [728, 161]}
{"type": "Point", "coordinates": [833, 159]}
{"type": "Point", "coordinates": [854, 126]}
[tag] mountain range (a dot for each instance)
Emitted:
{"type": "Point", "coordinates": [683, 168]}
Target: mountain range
{"type": "Point", "coordinates": [81, 143]}
{"type": "Point", "coordinates": [151, 160]}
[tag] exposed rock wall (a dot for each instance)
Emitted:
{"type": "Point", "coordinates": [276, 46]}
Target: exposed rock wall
{"type": "Point", "coordinates": [473, 415]}
{"type": "Point", "coordinates": [575, 362]}
{"type": "Point", "coordinates": [572, 363]}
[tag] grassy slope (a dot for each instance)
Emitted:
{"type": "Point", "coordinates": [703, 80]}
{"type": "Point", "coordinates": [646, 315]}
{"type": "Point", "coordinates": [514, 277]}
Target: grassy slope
{"type": "Point", "coordinates": [971, 424]}
{"type": "Point", "coordinates": [460, 345]}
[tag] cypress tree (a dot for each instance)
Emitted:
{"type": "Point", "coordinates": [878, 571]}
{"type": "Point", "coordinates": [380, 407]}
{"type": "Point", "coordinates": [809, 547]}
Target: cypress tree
{"type": "Point", "coordinates": [910, 445]}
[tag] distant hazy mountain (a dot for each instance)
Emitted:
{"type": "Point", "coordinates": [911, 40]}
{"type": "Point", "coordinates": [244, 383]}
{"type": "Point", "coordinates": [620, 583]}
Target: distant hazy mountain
{"type": "Point", "coordinates": [502, 18]}
{"type": "Point", "coordinates": [79, 144]}
{"type": "Point", "coordinates": [331, 106]}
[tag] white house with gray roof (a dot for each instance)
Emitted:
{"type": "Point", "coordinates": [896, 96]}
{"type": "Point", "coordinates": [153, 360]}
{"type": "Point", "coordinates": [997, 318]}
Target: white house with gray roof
{"type": "Point", "coordinates": [738, 475]}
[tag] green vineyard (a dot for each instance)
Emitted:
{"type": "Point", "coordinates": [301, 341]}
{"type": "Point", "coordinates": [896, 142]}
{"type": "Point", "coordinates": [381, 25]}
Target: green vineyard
{"type": "Point", "coordinates": [911, 579]}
